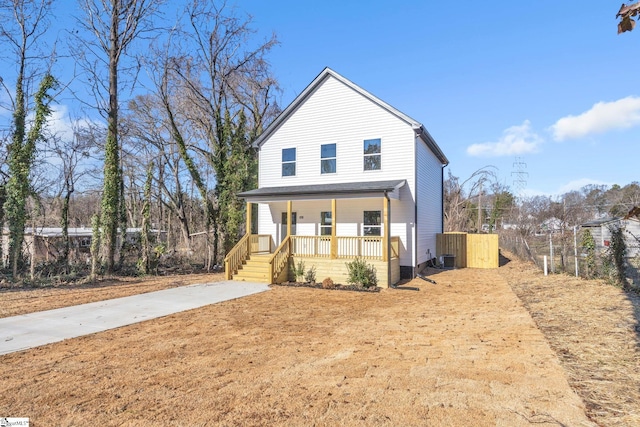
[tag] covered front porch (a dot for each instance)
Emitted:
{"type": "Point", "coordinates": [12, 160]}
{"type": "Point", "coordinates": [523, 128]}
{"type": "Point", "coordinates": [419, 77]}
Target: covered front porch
{"type": "Point", "coordinates": [326, 240]}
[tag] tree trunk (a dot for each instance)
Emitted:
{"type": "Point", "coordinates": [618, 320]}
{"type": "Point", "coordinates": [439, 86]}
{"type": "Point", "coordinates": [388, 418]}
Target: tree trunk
{"type": "Point", "coordinates": [111, 189]}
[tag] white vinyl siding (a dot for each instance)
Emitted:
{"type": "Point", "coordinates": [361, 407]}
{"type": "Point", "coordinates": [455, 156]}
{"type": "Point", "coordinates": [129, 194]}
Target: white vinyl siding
{"type": "Point", "coordinates": [429, 199]}
{"type": "Point", "coordinates": [336, 113]}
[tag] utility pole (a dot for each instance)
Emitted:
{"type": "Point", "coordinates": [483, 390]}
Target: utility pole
{"type": "Point", "coordinates": [480, 209]}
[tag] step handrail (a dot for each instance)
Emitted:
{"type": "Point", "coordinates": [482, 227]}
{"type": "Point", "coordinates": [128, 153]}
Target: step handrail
{"type": "Point", "coordinates": [236, 256]}
{"type": "Point", "coordinates": [279, 259]}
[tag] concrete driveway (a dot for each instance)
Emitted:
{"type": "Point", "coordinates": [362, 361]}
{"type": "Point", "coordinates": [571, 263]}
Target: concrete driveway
{"type": "Point", "coordinates": [35, 329]}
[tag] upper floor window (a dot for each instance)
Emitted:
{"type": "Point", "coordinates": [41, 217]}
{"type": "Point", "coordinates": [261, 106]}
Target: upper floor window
{"type": "Point", "coordinates": [288, 162]}
{"type": "Point", "coordinates": [328, 158]}
{"type": "Point", "coordinates": [372, 224]}
{"type": "Point", "coordinates": [372, 154]}
{"type": "Point", "coordinates": [326, 224]}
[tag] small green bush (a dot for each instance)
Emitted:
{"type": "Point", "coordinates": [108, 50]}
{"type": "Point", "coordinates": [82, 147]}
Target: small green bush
{"type": "Point", "coordinates": [311, 275]}
{"type": "Point", "coordinates": [361, 274]}
{"type": "Point", "coordinates": [297, 271]}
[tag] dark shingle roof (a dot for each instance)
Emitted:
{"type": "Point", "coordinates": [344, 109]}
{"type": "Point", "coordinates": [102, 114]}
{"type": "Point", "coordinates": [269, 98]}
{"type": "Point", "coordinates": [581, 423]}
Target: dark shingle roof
{"type": "Point", "coordinates": [325, 189]}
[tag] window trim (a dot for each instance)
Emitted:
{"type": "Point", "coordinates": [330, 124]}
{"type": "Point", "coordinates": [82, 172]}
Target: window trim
{"type": "Point", "coordinates": [334, 158]}
{"type": "Point", "coordinates": [289, 162]}
{"type": "Point", "coordinates": [365, 155]}
{"type": "Point", "coordinates": [378, 226]}
{"type": "Point", "coordinates": [324, 226]}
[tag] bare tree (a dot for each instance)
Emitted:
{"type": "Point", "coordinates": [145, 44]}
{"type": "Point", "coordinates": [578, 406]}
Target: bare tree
{"type": "Point", "coordinates": [72, 153]}
{"type": "Point", "coordinates": [149, 138]}
{"type": "Point", "coordinates": [222, 88]}
{"type": "Point", "coordinates": [460, 211]}
{"type": "Point", "coordinates": [114, 26]}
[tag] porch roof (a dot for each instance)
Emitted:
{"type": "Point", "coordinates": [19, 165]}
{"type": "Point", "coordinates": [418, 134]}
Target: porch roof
{"type": "Point", "coordinates": [325, 191]}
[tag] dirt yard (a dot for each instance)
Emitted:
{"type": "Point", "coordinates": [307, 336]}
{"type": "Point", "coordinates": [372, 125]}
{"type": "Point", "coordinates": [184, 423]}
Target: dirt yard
{"type": "Point", "coordinates": [595, 331]}
{"type": "Point", "coordinates": [464, 351]}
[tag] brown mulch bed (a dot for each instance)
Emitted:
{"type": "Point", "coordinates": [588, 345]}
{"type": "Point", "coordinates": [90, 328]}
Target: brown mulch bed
{"type": "Point", "coordinates": [594, 329]}
{"type": "Point", "coordinates": [336, 287]}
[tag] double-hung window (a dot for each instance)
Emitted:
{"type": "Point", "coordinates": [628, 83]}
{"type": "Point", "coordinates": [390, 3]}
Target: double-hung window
{"type": "Point", "coordinates": [372, 224]}
{"type": "Point", "coordinates": [328, 158]}
{"type": "Point", "coordinates": [372, 154]}
{"type": "Point", "coordinates": [326, 224]}
{"type": "Point", "coordinates": [288, 162]}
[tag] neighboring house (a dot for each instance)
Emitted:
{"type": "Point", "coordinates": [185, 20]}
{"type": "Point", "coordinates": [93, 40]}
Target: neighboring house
{"type": "Point", "coordinates": [600, 229]}
{"type": "Point", "coordinates": [47, 242]}
{"type": "Point", "coordinates": [342, 174]}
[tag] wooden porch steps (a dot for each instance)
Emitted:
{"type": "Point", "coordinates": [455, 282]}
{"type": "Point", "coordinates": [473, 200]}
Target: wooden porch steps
{"type": "Point", "coordinates": [254, 269]}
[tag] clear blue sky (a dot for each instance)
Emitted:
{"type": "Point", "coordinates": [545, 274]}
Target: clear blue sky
{"type": "Point", "coordinates": [547, 81]}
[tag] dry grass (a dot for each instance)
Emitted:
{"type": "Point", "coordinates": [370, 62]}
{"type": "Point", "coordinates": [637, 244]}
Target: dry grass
{"type": "Point", "coordinates": [462, 352]}
{"type": "Point", "coordinates": [593, 328]}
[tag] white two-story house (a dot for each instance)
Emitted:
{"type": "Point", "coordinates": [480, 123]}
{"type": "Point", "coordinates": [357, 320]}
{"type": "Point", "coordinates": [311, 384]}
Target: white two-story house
{"type": "Point", "coordinates": [342, 174]}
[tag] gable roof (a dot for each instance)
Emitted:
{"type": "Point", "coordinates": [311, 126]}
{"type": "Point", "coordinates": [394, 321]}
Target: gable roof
{"type": "Point", "coordinates": [418, 128]}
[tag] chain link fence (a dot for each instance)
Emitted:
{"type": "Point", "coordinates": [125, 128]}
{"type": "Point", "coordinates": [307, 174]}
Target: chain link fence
{"type": "Point", "coordinates": [558, 248]}
{"type": "Point", "coordinates": [564, 255]}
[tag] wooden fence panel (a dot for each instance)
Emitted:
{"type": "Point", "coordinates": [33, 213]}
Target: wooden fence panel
{"type": "Point", "coordinates": [453, 244]}
{"type": "Point", "coordinates": [482, 251]}
{"type": "Point", "coordinates": [470, 250]}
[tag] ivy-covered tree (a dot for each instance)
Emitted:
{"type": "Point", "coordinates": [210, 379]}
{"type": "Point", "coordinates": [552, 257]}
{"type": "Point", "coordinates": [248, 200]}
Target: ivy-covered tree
{"type": "Point", "coordinates": [23, 23]}
{"type": "Point", "coordinates": [115, 25]}
{"type": "Point", "coordinates": [617, 253]}
{"type": "Point", "coordinates": [240, 174]}
{"type": "Point", "coordinates": [588, 244]}
{"type": "Point", "coordinates": [145, 244]}
{"type": "Point", "coordinates": [21, 154]}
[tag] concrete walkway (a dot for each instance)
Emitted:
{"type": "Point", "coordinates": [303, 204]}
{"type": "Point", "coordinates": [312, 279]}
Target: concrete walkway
{"type": "Point", "coordinates": [35, 329]}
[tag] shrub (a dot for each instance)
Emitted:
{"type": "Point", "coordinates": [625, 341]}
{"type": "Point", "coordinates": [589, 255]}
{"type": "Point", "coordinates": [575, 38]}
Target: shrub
{"type": "Point", "coordinates": [311, 275]}
{"type": "Point", "coordinates": [361, 274]}
{"type": "Point", "coordinates": [327, 283]}
{"type": "Point", "coordinates": [616, 255]}
{"type": "Point", "coordinates": [589, 246]}
{"type": "Point", "coordinates": [297, 271]}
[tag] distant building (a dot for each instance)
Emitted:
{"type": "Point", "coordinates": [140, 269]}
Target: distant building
{"type": "Point", "coordinates": [47, 242]}
{"type": "Point", "coordinates": [601, 231]}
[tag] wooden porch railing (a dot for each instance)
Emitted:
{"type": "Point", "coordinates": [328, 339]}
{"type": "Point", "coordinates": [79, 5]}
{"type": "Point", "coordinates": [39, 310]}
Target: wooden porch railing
{"type": "Point", "coordinates": [249, 244]}
{"type": "Point", "coordinates": [260, 243]}
{"type": "Point", "coordinates": [280, 259]}
{"type": "Point", "coordinates": [311, 246]}
{"type": "Point", "coordinates": [236, 256]}
{"type": "Point", "coordinates": [368, 247]}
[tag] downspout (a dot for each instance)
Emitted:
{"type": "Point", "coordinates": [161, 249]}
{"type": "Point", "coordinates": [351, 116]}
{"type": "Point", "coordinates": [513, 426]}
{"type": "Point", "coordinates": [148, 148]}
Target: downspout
{"type": "Point", "coordinates": [442, 195]}
{"type": "Point", "coordinates": [414, 267]}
